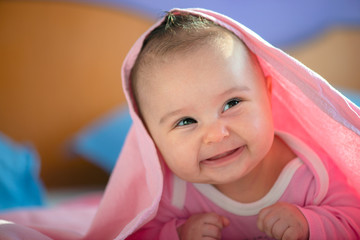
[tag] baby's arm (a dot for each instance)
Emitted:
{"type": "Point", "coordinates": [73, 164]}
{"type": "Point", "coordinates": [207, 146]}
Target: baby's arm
{"type": "Point", "coordinates": [336, 217]}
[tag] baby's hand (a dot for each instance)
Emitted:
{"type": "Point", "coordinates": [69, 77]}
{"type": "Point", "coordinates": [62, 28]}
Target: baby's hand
{"type": "Point", "coordinates": [203, 226]}
{"type": "Point", "coordinates": [283, 221]}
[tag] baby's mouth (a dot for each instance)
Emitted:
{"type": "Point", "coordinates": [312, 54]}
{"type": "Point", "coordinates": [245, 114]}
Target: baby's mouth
{"type": "Point", "coordinates": [222, 155]}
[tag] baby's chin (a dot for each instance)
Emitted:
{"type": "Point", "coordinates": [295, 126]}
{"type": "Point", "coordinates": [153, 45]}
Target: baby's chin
{"type": "Point", "coordinates": [192, 179]}
{"type": "Point", "coordinates": [215, 182]}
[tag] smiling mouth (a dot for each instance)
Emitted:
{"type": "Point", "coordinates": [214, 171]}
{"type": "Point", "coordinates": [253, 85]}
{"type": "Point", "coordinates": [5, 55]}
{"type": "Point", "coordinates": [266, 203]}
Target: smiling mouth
{"type": "Point", "coordinates": [222, 155]}
{"type": "Point", "coordinates": [224, 158]}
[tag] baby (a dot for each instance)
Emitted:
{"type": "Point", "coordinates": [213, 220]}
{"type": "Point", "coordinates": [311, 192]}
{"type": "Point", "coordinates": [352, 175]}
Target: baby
{"type": "Point", "coordinates": [207, 104]}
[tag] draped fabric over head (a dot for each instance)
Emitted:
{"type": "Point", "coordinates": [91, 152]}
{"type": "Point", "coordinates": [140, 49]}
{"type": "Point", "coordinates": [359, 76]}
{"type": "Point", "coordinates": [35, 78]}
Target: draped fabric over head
{"type": "Point", "coordinates": [304, 105]}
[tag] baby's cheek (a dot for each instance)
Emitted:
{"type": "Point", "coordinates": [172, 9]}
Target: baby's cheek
{"type": "Point", "coordinates": [183, 165]}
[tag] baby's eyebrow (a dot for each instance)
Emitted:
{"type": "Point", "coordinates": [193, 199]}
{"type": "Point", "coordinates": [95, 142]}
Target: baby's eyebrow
{"type": "Point", "coordinates": [235, 89]}
{"type": "Point", "coordinates": [170, 114]}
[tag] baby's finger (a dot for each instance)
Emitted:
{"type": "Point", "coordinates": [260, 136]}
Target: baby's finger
{"type": "Point", "coordinates": [214, 219]}
{"type": "Point", "coordinates": [279, 229]}
{"type": "Point", "coordinates": [211, 231]}
{"type": "Point", "coordinates": [262, 214]}
{"type": "Point", "coordinates": [290, 233]}
{"type": "Point", "coordinates": [225, 221]}
{"type": "Point", "coordinates": [266, 222]}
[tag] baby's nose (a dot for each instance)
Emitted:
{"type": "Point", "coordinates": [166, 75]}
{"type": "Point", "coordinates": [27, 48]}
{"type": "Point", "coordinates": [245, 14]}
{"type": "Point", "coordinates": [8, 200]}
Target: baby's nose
{"type": "Point", "coordinates": [216, 133]}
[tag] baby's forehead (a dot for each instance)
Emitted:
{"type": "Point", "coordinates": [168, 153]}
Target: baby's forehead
{"type": "Point", "coordinates": [185, 45]}
{"type": "Point", "coordinates": [161, 51]}
{"type": "Point", "coordinates": [229, 53]}
{"type": "Point", "coordinates": [224, 46]}
{"type": "Point", "coordinates": [185, 40]}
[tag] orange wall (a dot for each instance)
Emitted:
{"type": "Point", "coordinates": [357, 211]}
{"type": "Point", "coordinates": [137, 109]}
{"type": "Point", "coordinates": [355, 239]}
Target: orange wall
{"type": "Point", "coordinates": [60, 69]}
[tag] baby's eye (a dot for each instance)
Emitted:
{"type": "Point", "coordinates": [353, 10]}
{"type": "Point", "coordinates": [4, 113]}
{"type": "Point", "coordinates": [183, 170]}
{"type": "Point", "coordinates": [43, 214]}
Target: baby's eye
{"type": "Point", "coordinates": [231, 103]}
{"type": "Point", "coordinates": [186, 121]}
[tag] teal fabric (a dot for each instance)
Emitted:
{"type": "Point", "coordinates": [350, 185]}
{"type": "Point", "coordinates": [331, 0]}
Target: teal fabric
{"type": "Point", "coordinates": [101, 141]}
{"type": "Point", "coordinates": [20, 185]}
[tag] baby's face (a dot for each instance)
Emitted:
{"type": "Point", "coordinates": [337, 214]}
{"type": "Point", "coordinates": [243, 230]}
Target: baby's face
{"type": "Point", "coordinates": [208, 112]}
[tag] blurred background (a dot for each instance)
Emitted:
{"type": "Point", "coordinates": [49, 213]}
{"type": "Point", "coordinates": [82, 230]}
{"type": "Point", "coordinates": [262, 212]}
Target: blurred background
{"type": "Point", "coordinates": [63, 117]}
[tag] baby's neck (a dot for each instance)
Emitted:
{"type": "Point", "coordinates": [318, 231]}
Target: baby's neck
{"type": "Point", "coordinates": [260, 180]}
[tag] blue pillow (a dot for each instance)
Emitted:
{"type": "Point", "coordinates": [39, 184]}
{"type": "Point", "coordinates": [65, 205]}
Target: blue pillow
{"type": "Point", "coordinates": [101, 141]}
{"type": "Point", "coordinates": [20, 185]}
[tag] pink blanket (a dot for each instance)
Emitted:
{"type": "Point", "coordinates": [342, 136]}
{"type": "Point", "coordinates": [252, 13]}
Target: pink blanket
{"type": "Point", "coordinates": [304, 105]}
